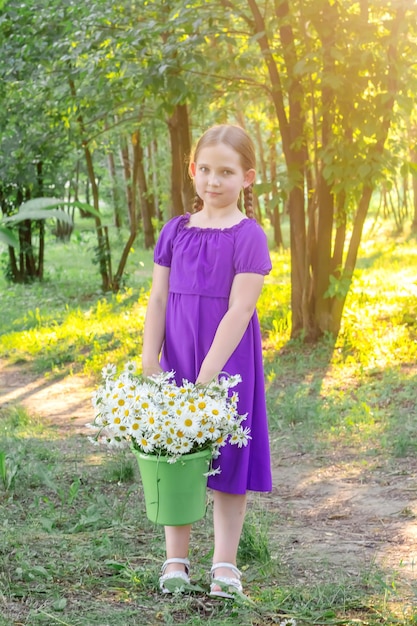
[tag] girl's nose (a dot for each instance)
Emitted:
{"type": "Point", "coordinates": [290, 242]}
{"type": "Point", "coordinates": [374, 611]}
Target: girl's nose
{"type": "Point", "coordinates": [213, 180]}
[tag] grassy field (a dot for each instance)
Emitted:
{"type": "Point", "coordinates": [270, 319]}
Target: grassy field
{"type": "Point", "coordinates": [75, 545]}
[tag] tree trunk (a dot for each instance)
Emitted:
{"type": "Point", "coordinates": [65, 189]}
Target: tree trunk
{"type": "Point", "coordinates": [145, 202]}
{"type": "Point", "coordinates": [184, 138]}
{"type": "Point", "coordinates": [15, 274]}
{"type": "Point", "coordinates": [133, 226]}
{"type": "Point", "coordinates": [177, 167]}
{"type": "Point", "coordinates": [275, 197]}
{"type": "Point", "coordinates": [322, 265]}
{"type": "Point", "coordinates": [41, 247]}
{"type": "Point", "coordinates": [152, 160]}
{"type": "Point", "coordinates": [292, 133]}
{"type": "Point", "coordinates": [414, 222]}
{"type": "Point", "coordinates": [127, 173]}
{"type": "Point", "coordinates": [41, 253]}
{"type": "Point", "coordinates": [102, 251]}
{"type": "Point", "coordinates": [16, 264]}
{"type": "Point", "coordinates": [138, 185]}
{"type": "Point", "coordinates": [27, 260]}
{"type": "Point", "coordinates": [117, 213]}
{"type": "Point", "coordinates": [413, 159]}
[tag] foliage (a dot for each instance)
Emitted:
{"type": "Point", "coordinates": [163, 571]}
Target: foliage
{"type": "Point", "coordinates": [326, 89]}
{"type": "Point", "coordinates": [35, 211]}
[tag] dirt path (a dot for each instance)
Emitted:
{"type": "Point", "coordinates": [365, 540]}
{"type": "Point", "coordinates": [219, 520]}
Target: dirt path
{"type": "Point", "coordinates": [65, 402]}
{"type": "Point", "coordinates": [331, 511]}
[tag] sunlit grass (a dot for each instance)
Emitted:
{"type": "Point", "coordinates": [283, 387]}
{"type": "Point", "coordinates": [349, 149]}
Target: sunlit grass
{"type": "Point", "coordinates": [110, 330]}
{"type": "Point", "coordinates": [66, 323]}
{"type": "Point", "coordinates": [379, 325]}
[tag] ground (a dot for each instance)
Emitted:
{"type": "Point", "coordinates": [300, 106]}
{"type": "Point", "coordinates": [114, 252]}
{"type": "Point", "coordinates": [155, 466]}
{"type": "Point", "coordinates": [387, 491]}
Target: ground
{"type": "Point", "coordinates": [333, 511]}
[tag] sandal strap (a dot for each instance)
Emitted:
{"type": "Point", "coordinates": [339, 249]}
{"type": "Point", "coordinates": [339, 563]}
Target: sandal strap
{"type": "Point", "coordinates": [230, 566]}
{"type": "Point", "coordinates": [179, 560]}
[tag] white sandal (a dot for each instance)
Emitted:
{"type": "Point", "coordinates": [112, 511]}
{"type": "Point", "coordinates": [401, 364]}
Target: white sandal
{"type": "Point", "coordinates": [179, 574]}
{"type": "Point", "coordinates": [228, 586]}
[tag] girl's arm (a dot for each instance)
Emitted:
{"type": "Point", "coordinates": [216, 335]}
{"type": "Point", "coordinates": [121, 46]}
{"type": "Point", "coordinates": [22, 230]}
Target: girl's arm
{"type": "Point", "coordinates": [154, 330]}
{"type": "Point", "coordinates": [246, 289]}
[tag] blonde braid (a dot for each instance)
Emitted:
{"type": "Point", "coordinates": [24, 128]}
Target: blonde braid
{"type": "Point", "coordinates": [248, 201]}
{"type": "Point", "coordinates": [197, 204]}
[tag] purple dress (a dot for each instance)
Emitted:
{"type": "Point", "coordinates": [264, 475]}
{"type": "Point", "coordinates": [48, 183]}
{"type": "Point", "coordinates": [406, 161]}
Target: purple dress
{"type": "Point", "coordinates": [203, 264]}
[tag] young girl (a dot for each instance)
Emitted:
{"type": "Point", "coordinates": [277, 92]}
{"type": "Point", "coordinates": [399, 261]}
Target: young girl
{"type": "Point", "coordinates": [208, 274]}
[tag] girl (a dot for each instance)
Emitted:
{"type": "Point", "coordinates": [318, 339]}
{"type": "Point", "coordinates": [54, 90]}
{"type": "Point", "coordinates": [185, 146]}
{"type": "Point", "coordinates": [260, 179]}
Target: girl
{"type": "Point", "coordinates": [208, 274]}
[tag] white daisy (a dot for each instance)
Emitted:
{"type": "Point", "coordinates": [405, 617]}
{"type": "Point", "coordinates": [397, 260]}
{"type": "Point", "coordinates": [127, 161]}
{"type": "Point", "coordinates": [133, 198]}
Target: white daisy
{"type": "Point", "coordinates": [108, 371]}
{"type": "Point", "coordinates": [130, 367]}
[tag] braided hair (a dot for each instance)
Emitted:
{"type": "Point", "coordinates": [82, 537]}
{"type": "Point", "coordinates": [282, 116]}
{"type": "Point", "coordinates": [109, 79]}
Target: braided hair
{"type": "Point", "coordinates": [240, 142]}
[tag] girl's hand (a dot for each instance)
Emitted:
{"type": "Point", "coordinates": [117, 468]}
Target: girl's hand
{"type": "Point", "coordinates": [147, 372]}
{"type": "Point", "coordinates": [206, 379]}
{"type": "Point", "coordinates": [244, 294]}
{"type": "Point", "coordinates": [154, 331]}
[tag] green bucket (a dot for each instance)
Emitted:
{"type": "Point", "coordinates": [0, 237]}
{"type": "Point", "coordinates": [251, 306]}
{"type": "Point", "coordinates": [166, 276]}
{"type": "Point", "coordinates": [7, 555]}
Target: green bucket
{"type": "Point", "coordinates": [175, 493]}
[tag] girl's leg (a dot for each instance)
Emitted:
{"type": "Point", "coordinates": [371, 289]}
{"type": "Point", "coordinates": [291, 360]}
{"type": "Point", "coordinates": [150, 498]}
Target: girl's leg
{"type": "Point", "coordinates": [177, 540]}
{"type": "Point", "coordinates": [228, 517]}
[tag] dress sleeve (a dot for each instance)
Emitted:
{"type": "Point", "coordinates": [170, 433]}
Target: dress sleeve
{"type": "Point", "coordinates": [163, 250]}
{"type": "Point", "coordinates": [251, 253]}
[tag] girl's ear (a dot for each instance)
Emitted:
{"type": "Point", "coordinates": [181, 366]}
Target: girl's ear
{"type": "Point", "coordinates": [192, 169]}
{"type": "Point", "coordinates": [249, 178]}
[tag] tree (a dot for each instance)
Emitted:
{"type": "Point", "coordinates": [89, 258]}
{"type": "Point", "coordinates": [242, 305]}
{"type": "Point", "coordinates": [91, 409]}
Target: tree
{"type": "Point", "coordinates": [336, 70]}
{"type": "Point", "coordinates": [103, 69]}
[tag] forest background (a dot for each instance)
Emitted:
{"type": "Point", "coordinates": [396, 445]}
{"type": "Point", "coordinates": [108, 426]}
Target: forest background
{"type": "Point", "coordinates": [100, 103]}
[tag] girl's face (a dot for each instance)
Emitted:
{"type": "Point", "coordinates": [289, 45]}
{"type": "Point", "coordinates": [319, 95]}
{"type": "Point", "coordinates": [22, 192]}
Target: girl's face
{"type": "Point", "coordinates": [219, 176]}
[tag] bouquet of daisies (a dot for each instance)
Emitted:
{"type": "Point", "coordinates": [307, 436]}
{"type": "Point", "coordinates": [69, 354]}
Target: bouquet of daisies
{"type": "Point", "coordinates": [156, 416]}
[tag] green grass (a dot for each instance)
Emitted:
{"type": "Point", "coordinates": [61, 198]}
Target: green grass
{"type": "Point", "coordinates": [76, 549]}
{"type": "Point", "coordinates": [67, 323]}
{"type": "Point", "coordinates": [75, 545]}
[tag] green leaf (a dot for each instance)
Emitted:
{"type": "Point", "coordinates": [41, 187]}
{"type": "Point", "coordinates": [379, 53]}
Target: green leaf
{"type": "Point", "coordinates": [178, 585]}
{"type": "Point", "coordinates": [86, 207]}
{"type": "Point", "coordinates": [38, 571]}
{"type": "Point", "coordinates": [46, 523]}
{"type": "Point", "coordinates": [260, 188]}
{"type": "Point", "coordinates": [59, 604]}
{"type": "Point", "coordinates": [39, 214]}
{"type": "Point", "coordinates": [3, 472]}
{"type": "Point", "coordinates": [40, 203]}
{"type": "Point", "coordinates": [8, 237]}
{"type": "Point", "coordinates": [115, 565]}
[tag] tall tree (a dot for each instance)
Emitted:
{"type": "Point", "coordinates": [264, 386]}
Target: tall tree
{"type": "Point", "coordinates": [336, 70]}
